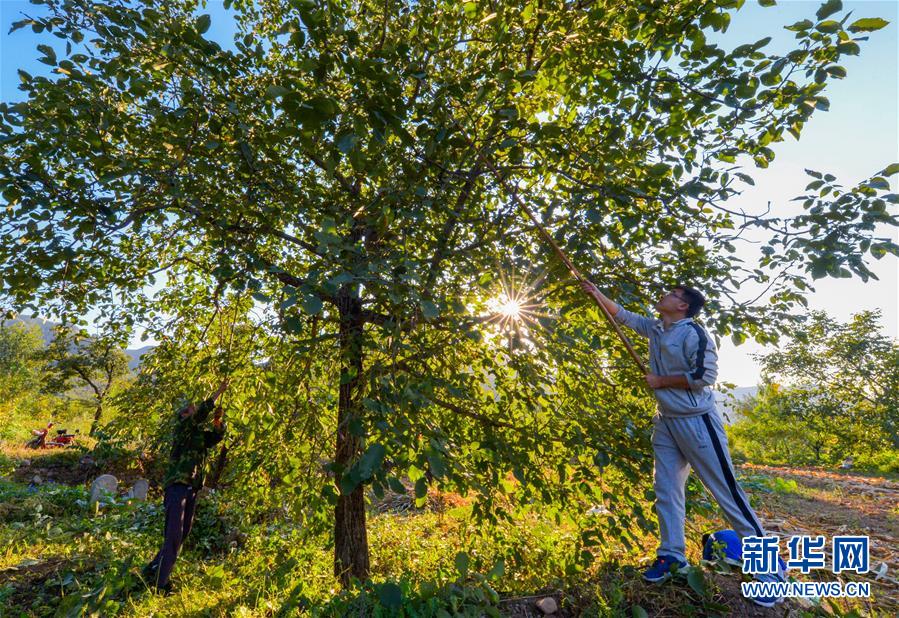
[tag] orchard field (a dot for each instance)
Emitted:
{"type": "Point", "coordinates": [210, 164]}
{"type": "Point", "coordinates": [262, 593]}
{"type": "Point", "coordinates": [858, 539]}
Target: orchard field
{"type": "Point", "coordinates": [364, 232]}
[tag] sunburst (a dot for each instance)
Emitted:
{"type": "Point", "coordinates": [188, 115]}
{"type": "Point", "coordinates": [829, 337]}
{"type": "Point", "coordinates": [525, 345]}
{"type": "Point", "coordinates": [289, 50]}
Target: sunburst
{"type": "Point", "coordinates": [515, 309]}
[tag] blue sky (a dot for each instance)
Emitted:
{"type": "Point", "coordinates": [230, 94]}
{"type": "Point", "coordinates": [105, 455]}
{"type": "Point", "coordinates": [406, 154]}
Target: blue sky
{"type": "Point", "coordinates": [856, 138]}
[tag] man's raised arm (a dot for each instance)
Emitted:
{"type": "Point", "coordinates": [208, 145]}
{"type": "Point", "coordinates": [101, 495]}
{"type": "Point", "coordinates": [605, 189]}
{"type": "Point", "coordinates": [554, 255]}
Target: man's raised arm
{"type": "Point", "coordinates": [638, 323]}
{"type": "Point", "coordinates": [610, 305]}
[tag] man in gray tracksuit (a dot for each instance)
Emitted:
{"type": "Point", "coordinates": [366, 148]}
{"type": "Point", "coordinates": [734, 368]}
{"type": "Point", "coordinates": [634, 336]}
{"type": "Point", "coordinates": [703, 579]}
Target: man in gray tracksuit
{"type": "Point", "coordinates": [688, 431]}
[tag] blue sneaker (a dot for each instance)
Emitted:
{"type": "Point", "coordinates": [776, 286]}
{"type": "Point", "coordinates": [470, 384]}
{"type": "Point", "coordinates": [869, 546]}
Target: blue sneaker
{"type": "Point", "coordinates": [724, 544]}
{"type": "Point", "coordinates": [663, 568]}
{"type": "Point", "coordinates": [768, 601]}
{"type": "Point", "coordinates": [727, 545]}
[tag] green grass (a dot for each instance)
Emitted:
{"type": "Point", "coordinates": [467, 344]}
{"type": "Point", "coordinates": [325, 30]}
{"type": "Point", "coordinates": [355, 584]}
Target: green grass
{"type": "Point", "coordinates": [68, 558]}
{"type": "Point", "coordinates": [60, 557]}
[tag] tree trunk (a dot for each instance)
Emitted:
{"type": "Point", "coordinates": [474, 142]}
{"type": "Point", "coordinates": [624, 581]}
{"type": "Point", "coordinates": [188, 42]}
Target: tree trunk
{"type": "Point", "coordinates": [351, 557]}
{"type": "Point", "coordinates": [97, 414]}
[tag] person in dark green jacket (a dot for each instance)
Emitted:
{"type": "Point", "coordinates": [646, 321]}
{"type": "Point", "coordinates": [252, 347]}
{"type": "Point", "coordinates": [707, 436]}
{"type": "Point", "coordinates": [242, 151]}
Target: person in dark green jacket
{"type": "Point", "coordinates": [183, 479]}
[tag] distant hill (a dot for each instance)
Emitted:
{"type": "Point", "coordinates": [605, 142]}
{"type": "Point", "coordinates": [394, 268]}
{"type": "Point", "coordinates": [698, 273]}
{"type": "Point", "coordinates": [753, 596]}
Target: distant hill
{"type": "Point", "coordinates": [725, 402]}
{"type": "Point", "coordinates": [47, 326]}
{"type": "Point", "coordinates": [135, 356]}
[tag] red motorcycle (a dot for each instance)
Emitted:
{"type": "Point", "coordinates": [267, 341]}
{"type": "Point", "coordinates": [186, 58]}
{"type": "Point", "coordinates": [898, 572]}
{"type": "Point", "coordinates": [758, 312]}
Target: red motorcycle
{"type": "Point", "coordinates": [40, 437]}
{"type": "Point", "coordinates": [62, 439]}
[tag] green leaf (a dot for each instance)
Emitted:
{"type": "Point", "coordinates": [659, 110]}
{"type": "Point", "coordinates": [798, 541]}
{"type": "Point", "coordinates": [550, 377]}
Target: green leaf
{"type": "Point", "coordinates": [298, 39]}
{"type": "Point", "coordinates": [767, 2]}
{"type": "Point", "coordinates": [49, 53]}
{"type": "Point", "coordinates": [390, 595]}
{"type": "Point", "coordinates": [828, 26]}
{"type": "Point", "coordinates": [850, 48]}
{"type": "Point", "coordinates": [346, 141]}
{"type": "Point", "coordinates": [498, 570]}
{"type": "Point", "coordinates": [799, 26]}
{"type": "Point", "coordinates": [437, 463]}
{"type": "Point", "coordinates": [293, 324]}
{"type": "Point", "coordinates": [275, 91]}
{"type": "Point", "coordinates": [20, 24]}
{"type": "Point", "coordinates": [395, 485]}
{"type": "Point", "coordinates": [602, 459]}
{"type": "Point", "coordinates": [829, 8]}
{"type": "Point", "coordinates": [421, 488]}
{"type": "Point", "coordinates": [203, 22]}
{"type": "Point", "coordinates": [461, 562]}
{"type": "Point", "coordinates": [889, 170]}
{"type": "Point", "coordinates": [429, 310]}
{"type": "Point", "coordinates": [658, 170]}
{"type": "Point", "coordinates": [638, 612]}
{"type": "Point", "coordinates": [819, 269]}
{"type": "Point", "coordinates": [371, 460]}
{"type": "Point", "coordinates": [868, 24]}
{"type": "Point", "coordinates": [745, 178]}
{"type": "Point", "coordinates": [314, 111]}
{"type": "Point", "coordinates": [696, 580]}
{"type": "Point", "coordinates": [312, 304]}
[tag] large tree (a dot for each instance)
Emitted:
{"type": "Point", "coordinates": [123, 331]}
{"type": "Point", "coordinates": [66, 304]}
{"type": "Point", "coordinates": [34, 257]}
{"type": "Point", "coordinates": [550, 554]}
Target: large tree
{"type": "Point", "coordinates": [75, 359]}
{"type": "Point", "coordinates": [350, 165]}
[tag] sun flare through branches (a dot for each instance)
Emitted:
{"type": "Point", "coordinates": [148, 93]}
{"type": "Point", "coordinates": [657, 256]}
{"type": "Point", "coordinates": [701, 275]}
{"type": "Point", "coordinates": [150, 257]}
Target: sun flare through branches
{"type": "Point", "coordinates": [515, 309]}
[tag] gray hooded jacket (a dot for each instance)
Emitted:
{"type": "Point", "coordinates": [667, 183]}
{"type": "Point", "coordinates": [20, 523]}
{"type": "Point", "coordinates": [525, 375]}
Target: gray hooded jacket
{"type": "Point", "coordinates": [684, 349]}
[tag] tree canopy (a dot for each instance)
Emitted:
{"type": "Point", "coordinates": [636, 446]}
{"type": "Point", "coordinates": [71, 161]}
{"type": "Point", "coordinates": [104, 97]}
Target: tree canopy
{"type": "Point", "coordinates": [830, 392]}
{"type": "Point", "coordinates": [342, 167]}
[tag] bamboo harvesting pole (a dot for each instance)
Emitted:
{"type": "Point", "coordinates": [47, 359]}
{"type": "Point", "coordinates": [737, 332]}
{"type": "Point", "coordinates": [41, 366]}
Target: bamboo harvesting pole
{"type": "Point", "coordinates": [567, 261]}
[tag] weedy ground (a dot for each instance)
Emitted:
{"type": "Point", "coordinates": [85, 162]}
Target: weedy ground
{"type": "Point", "coordinates": [59, 556]}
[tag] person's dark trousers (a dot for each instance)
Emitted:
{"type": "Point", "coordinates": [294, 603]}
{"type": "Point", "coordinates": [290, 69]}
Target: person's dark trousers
{"type": "Point", "coordinates": [180, 501]}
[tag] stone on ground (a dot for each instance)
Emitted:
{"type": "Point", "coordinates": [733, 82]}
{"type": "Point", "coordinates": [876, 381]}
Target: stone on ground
{"type": "Point", "coordinates": [139, 490]}
{"type": "Point", "coordinates": [547, 605]}
{"type": "Point", "coordinates": [103, 484]}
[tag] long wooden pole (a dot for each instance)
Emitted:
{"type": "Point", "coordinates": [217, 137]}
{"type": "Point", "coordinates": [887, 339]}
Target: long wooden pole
{"type": "Point", "coordinates": [571, 267]}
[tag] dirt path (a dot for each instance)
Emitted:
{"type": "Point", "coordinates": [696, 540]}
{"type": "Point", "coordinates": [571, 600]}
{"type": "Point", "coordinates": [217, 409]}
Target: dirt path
{"type": "Point", "coordinates": [830, 504]}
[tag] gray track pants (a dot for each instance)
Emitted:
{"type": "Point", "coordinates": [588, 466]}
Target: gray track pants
{"type": "Point", "coordinates": [700, 442]}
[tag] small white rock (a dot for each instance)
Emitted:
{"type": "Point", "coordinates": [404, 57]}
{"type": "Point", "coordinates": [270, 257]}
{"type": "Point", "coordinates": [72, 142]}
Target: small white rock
{"type": "Point", "coordinates": [36, 479]}
{"type": "Point", "coordinates": [599, 509]}
{"type": "Point", "coordinates": [547, 605]}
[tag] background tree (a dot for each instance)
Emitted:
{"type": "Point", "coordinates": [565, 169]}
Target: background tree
{"type": "Point", "coordinates": [832, 390]}
{"type": "Point", "coordinates": [75, 358]}
{"type": "Point", "coordinates": [854, 364]}
{"type": "Point", "coordinates": [347, 164]}
{"type": "Point", "coordinates": [20, 361]}
{"type": "Point", "coordinates": [793, 426]}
